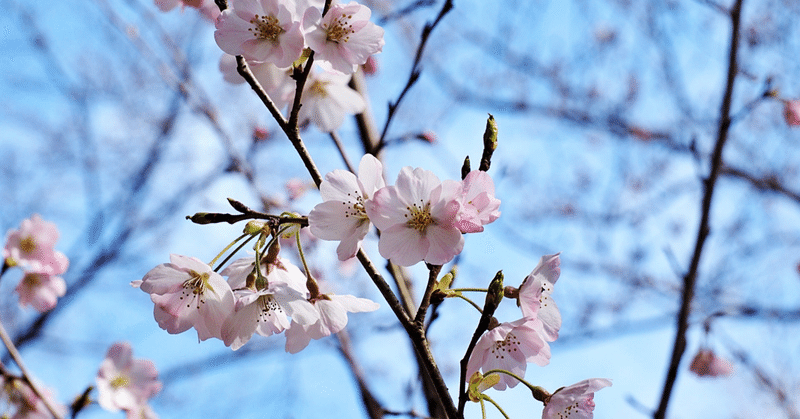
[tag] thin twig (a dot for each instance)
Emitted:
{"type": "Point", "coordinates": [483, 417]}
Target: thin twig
{"type": "Point", "coordinates": [338, 143]}
{"type": "Point", "coordinates": [26, 375]}
{"type": "Point", "coordinates": [433, 275]}
{"type": "Point", "coordinates": [415, 70]}
{"type": "Point", "coordinates": [690, 279]}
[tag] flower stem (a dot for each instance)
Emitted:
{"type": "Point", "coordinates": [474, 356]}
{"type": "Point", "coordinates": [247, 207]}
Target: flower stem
{"type": "Point", "coordinates": [219, 255]}
{"type": "Point", "coordinates": [483, 396]}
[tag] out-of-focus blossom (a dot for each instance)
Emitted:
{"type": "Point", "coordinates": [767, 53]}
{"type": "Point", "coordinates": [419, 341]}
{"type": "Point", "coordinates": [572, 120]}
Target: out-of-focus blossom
{"type": "Point", "coordinates": [276, 81]}
{"type": "Point", "coordinates": [333, 311]}
{"type": "Point", "coordinates": [296, 188]}
{"type": "Point", "coordinates": [260, 30]}
{"type": "Point", "coordinates": [478, 204]}
{"type": "Point", "coordinates": [187, 293]}
{"type": "Point", "coordinates": [344, 37]}
{"type": "Point", "coordinates": [534, 295]}
{"type": "Point", "coordinates": [417, 218]}
{"type": "Point", "coordinates": [124, 383]}
{"type": "Point", "coordinates": [707, 364]}
{"type": "Point", "coordinates": [791, 112]}
{"type": "Point", "coordinates": [510, 347]}
{"type": "Point", "coordinates": [208, 8]}
{"type": "Point", "coordinates": [342, 215]}
{"type": "Point", "coordinates": [575, 401]}
{"type": "Point", "coordinates": [31, 247]}
{"type": "Point", "coordinates": [40, 290]}
{"type": "Point", "coordinates": [20, 396]}
{"type": "Point", "coordinates": [370, 67]}
{"type": "Point", "coordinates": [327, 99]}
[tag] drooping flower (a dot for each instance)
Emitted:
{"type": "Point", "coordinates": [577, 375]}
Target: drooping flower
{"type": "Point", "coordinates": [124, 383]}
{"type": "Point", "coordinates": [260, 30]}
{"type": "Point", "coordinates": [333, 311]}
{"type": "Point", "coordinates": [479, 206]}
{"type": "Point", "coordinates": [510, 347]}
{"type": "Point", "coordinates": [534, 295]}
{"type": "Point", "coordinates": [707, 364]}
{"type": "Point", "coordinates": [791, 112]}
{"type": "Point", "coordinates": [266, 310]}
{"type": "Point", "coordinates": [40, 290]}
{"type": "Point", "coordinates": [344, 37]}
{"type": "Point", "coordinates": [575, 401]}
{"type": "Point", "coordinates": [342, 216]}
{"type": "Point", "coordinates": [417, 218]}
{"type": "Point", "coordinates": [187, 293]}
{"type": "Point", "coordinates": [31, 247]}
{"type": "Point", "coordinates": [327, 99]}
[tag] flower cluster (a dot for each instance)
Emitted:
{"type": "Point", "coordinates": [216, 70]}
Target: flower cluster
{"type": "Point", "coordinates": [124, 383]}
{"type": "Point", "coordinates": [269, 299]}
{"type": "Point", "coordinates": [32, 248]}
{"type": "Point", "coordinates": [274, 35]}
{"type": "Point", "coordinates": [421, 218]}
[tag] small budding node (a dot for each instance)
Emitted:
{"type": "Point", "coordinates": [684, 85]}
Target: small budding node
{"type": "Point", "coordinates": [253, 227]}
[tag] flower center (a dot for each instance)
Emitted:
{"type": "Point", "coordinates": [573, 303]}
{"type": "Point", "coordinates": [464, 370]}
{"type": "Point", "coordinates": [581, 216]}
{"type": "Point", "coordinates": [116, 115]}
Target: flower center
{"type": "Point", "coordinates": [265, 27]}
{"type": "Point", "coordinates": [196, 286]}
{"type": "Point", "coordinates": [318, 89]}
{"type": "Point", "coordinates": [28, 244]}
{"type": "Point", "coordinates": [354, 207]}
{"type": "Point", "coordinates": [420, 216]}
{"type": "Point", "coordinates": [502, 347]}
{"type": "Point", "coordinates": [32, 280]}
{"type": "Point", "coordinates": [120, 381]}
{"type": "Point", "coordinates": [339, 29]}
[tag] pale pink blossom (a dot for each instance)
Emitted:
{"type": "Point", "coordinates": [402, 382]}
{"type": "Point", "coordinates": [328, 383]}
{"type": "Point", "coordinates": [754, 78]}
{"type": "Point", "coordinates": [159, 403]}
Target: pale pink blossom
{"type": "Point", "coordinates": [187, 293]}
{"type": "Point", "coordinates": [575, 401]}
{"type": "Point", "coordinates": [40, 290]}
{"type": "Point", "coordinates": [417, 218]}
{"type": "Point", "coordinates": [124, 383]}
{"type": "Point", "coordinates": [327, 99]}
{"type": "Point", "coordinates": [143, 411]}
{"type": "Point", "coordinates": [332, 311]}
{"type": "Point", "coordinates": [342, 216]}
{"type": "Point", "coordinates": [260, 30]}
{"type": "Point", "coordinates": [207, 8]}
{"type": "Point", "coordinates": [534, 295]}
{"type": "Point", "coordinates": [344, 37]}
{"type": "Point", "coordinates": [791, 112]}
{"type": "Point", "coordinates": [296, 188]}
{"type": "Point", "coordinates": [510, 347]}
{"type": "Point", "coordinates": [277, 82]}
{"type": "Point", "coordinates": [31, 247]}
{"type": "Point", "coordinates": [20, 396]}
{"type": "Point", "coordinates": [266, 310]}
{"type": "Point", "coordinates": [707, 364]}
{"type": "Point", "coordinates": [479, 206]}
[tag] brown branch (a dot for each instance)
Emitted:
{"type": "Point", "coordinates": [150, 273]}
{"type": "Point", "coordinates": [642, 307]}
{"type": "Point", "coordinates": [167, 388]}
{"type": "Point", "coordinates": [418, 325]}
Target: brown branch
{"type": "Point", "coordinates": [690, 279]}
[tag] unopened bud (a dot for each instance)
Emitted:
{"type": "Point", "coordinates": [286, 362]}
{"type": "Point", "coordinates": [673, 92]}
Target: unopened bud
{"type": "Point", "coordinates": [253, 227]}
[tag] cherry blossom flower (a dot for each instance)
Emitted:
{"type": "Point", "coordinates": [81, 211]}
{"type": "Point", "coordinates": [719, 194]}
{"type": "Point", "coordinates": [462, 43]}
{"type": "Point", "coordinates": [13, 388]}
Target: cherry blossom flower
{"type": "Point", "coordinates": [344, 37]}
{"type": "Point", "coordinates": [276, 82]}
{"type": "Point", "coordinates": [534, 295]}
{"type": "Point", "coordinates": [327, 99]}
{"type": "Point", "coordinates": [31, 247]}
{"type": "Point", "coordinates": [21, 396]}
{"type": "Point", "coordinates": [40, 290]}
{"type": "Point", "coordinates": [296, 188]}
{"type": "Point", "coordinates": [342, 215]}
{"type": "Point", "coordinates": [479, 206]}
{"type": "Point", "coordinates": [143, 411]}
{"type": "Point", "coordinates": [791, 112]}
{"type": "Point", "coordinates": [575, 401]}
{"type": "Point", "coordinates": [333, 311]}
{"type": "Point", "coordinates": [265, 311]}
{"type": "Point", "coordinates": [510, 347]}
{"type": "Point", "coordinates": [707, 364]}
{"type": "Point", "coordinates": [187, 293]}
{"type": "Point", "coordinates": [124, 383]}
{"type": "Point", "coordinates": [260, 30]}
{"type": "Point", "coordinates": [208, 8]}
{"type": "Point", "coordinates": [417, 218]}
